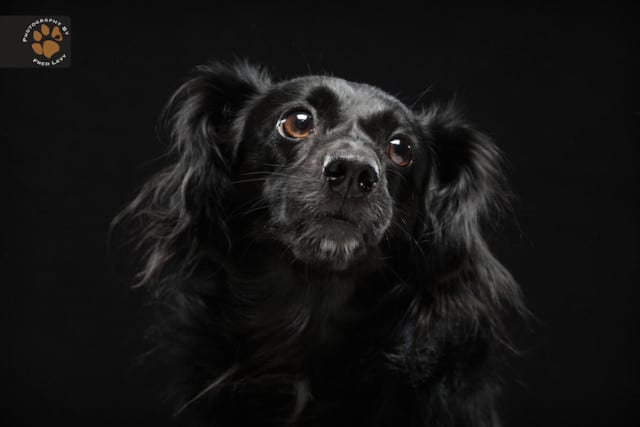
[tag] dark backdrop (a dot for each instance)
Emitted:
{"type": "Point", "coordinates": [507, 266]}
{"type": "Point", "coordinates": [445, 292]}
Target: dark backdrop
{"type": "Point", "coordinates": [557, 89]}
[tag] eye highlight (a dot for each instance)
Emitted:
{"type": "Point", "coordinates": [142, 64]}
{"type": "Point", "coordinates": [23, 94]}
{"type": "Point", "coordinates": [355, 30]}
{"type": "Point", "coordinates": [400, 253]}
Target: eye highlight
{"type": "Point", "coordinates": [400, 151]}
{"type": "Point", "coordinates": [296, 124]}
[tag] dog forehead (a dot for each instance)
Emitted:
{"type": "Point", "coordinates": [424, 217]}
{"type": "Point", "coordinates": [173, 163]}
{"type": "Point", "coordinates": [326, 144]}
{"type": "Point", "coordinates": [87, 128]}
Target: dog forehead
{"type": "Point", "coordinates": [355, 99]}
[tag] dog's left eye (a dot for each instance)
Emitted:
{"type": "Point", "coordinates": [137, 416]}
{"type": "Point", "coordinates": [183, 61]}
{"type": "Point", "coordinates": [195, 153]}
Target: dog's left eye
{"type": "Point", "coordinates": [400, 151]}
{"type": "Point", "coordinates": [296, 124]}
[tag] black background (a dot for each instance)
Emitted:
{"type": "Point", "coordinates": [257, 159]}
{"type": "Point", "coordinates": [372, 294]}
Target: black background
{"type": "Point", "coordinates": [555, 86]}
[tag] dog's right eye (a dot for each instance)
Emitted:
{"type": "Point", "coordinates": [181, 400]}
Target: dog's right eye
{"type": "Point", "coordinates": [296, 124]}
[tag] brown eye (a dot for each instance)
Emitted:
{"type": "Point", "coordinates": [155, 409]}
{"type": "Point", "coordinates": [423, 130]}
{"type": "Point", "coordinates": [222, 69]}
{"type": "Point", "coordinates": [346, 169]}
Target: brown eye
{"type": "Point", "coordinates": [400, 151]}
{"type": "Point", "coordinates": [297, 124]}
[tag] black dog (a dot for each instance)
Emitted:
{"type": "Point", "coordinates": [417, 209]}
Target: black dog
{"type": "Point", "coordinates": [317, 256]}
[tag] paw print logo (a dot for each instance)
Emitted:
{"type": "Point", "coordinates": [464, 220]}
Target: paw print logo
{"type": "Point", "coordinates": [46, 41]}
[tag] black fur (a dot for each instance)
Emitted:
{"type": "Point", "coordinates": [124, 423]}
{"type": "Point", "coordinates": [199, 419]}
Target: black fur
{"type": "Point", "coordinates": [281, 303]}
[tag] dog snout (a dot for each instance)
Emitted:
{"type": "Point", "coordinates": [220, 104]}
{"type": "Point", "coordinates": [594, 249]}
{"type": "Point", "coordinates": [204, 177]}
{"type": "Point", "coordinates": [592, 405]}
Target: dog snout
{"type": "Point", "coordinates": [351, 175]}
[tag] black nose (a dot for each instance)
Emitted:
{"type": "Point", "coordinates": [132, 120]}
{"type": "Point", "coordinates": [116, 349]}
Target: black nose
{"type": "Point", "coordinates": [352, 177]}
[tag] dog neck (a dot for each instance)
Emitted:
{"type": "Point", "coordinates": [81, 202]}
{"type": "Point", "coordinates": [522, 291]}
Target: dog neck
{"type": "Point", "coordinates": [279, 289]}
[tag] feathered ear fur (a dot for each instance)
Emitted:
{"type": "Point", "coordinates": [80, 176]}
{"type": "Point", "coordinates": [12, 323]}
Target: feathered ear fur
{"type": "Point", "coordinates": [180, 208]}
{"type": "Point", "coordinates": [466, 191]}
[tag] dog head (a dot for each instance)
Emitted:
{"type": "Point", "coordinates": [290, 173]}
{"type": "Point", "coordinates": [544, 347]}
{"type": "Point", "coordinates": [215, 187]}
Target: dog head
{"type": "Point", "coordinates": [333, 171]}
{"type": "Point", "coordinates": [332, 159]}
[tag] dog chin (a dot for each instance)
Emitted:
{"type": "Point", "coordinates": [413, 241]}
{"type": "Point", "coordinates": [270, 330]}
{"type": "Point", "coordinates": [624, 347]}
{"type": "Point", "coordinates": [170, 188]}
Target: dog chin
{"type": "Point", "coordinates": [332, 244]}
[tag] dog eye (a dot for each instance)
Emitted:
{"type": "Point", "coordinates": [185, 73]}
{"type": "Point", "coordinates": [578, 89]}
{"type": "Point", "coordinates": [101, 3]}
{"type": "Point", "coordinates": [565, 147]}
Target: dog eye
{"type": "Point", "coordinates": [400, 151]}
{"type": "Point", "coordinates": [297, 124]}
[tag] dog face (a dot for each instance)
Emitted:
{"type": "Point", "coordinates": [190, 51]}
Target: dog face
{"type": "Point", "coordinates": [333, 171]}
{"type": "Point", "coordinates": [334, 158]}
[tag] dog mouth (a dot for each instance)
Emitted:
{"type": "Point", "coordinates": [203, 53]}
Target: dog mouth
{"type": "Point", "coordinates": [339, 219]}
{"type": "Point", "coordinates": [339, 226]}
{"type": "Point", "coordinates": [333, 239]}
{"type": "Point", "coordinates": [333, 235]}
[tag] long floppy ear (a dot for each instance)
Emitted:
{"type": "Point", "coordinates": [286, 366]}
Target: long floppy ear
{"type": "Point", "coordinates": [466, 192]}
{"type": "Point", "coordinates": [181, 208]}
